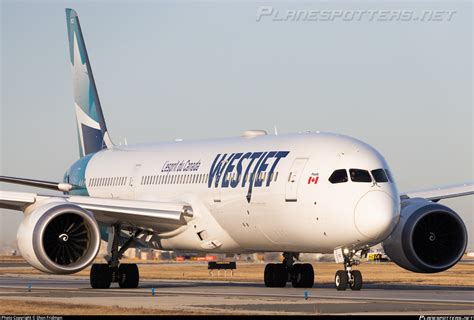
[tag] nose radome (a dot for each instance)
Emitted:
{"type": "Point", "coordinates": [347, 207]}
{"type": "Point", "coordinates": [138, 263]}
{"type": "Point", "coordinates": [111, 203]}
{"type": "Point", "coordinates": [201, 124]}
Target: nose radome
{"type": "Point", "coordinates": [375, 215]}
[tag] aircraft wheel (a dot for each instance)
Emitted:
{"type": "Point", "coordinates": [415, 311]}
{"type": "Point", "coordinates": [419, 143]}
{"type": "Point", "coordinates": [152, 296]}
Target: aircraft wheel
{"type": "Point", "coordinates": [280, 275]}
{"type": "Point", "coordinates": [303, 276]}
{"type": "Point", "coordinates": [356, 281]}
{"type": "Point", "coordinates": [268, 276]}
{"type": "Point", "coordinates": [100, 276]}
{"type": "Point", "coordinates": [307, 276]}
{"type": "Point", "coordinates": [341, 280]}
{"type": "Point", "coordinates": [128, 275]}
{"type": "Point", "coordinates": [297, 275]}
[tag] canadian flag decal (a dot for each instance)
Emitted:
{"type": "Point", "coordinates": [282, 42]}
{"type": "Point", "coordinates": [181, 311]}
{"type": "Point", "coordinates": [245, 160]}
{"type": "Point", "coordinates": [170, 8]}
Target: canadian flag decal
{"type": "Point", "coordinates": [313, 179]}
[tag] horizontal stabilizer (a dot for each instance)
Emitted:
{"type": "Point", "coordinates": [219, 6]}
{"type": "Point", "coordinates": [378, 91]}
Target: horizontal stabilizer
{"type": "Point", "coordinates": [58, 186]}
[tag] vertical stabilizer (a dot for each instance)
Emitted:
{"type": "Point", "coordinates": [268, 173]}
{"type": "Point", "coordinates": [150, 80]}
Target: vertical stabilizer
{"type": "Point", "coordinates": [91, 127]}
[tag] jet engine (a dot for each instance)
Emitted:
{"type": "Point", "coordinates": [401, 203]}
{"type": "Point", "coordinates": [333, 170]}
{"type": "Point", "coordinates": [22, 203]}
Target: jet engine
{"type": "Point", "coordinates": [429, 238]}
{"type": "Point", "coordinates": [58, 237]}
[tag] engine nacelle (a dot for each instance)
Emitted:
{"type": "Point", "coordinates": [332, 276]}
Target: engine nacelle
{"type": "Point", "coordinates": [429, 238]}
{"type": "Point", "coordinates": [58, 237]}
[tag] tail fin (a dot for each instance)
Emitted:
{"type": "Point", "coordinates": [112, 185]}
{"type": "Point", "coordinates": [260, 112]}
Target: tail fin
{"type": "Point", "coordinates": [91, 128]}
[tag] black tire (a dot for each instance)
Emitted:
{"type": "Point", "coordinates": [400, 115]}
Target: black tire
{"type": "Point", "coordinates": [128, 275]}
{"type": "Point", "coordinates": [307, 276]}
{"type": "Point", "coordinates": [280, 275]}
{"type": "Point", "coordinates": [356, 281]}
{"type": "Point", "coordinates": [341, 280]}
{"type": "Point", "coordinates": [100, 276]}
{"type": "Point", "coordinates": [296, 275]}
{"type": "Point", "coordinates": [268, 275]}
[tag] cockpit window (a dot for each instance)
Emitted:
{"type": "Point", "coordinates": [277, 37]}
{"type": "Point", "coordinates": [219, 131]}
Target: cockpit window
{"type": "Point", "coordinates": [359, 175]}
{"type": "Point", "coordinates": [338, 176]}
{"type": "Point", "coordinates": [379, 175]}
{"type": "Point", "coordinates": [389, 175]}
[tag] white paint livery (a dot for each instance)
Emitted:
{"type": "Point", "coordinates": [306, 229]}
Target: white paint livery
{"type": "Point", "coordinates": [307, 192]}
{"type": "Point", "coordinates": [286, 216]}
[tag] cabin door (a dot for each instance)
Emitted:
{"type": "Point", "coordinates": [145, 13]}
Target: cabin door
{"type": "Point", "coordinates": [294, 177]}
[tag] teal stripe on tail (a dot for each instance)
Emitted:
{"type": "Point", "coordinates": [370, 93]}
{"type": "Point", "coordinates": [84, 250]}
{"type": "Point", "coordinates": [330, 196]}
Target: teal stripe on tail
{"type": "Point", "coordinates": [91, 127]}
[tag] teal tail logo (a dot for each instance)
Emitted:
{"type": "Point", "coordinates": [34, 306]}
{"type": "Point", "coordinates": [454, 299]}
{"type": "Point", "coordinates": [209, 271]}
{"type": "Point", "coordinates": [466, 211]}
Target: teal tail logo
{"type": "Point", "coordinates": [91, 127]}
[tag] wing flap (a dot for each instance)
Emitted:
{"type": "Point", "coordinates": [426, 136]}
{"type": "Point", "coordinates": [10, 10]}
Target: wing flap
{"type": "Point", "coordinates": [16, 200]}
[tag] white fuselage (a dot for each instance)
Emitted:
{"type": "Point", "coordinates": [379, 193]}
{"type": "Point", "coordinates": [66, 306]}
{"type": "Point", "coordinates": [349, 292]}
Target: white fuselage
{"type": "Point", "coordinates": [295, 208]}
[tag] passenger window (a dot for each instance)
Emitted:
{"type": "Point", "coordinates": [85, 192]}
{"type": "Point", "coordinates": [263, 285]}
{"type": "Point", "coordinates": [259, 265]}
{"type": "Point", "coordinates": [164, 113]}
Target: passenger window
{"type": "Point", "coordinates": [338, 176]}
{"type": "Point", "coordinates": [359, 175]}
{"type": "Point", "coordinates": [389, 175]}
{"type": "Point", "coordinates": [379, 175]}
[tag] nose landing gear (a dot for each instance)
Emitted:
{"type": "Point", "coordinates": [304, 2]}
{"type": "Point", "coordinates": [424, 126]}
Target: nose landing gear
{"type": "Point", "coordinates": [350, 277]}
{"type": "Point", "coordinates": [301, 275]}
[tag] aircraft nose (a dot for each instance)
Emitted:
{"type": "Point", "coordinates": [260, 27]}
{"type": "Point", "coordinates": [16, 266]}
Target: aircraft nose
{"type": "Point", "coordinates": [375, 215]}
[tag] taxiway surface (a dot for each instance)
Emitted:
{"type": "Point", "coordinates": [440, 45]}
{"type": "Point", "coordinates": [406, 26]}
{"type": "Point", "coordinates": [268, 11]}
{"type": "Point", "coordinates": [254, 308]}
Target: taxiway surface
{"type": "Point", "coordinates": [219, 297]}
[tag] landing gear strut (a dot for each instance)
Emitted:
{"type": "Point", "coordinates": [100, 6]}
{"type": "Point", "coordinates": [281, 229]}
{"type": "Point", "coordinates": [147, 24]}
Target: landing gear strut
{"type": "Point", "coordinates": [301, 275]}
{"type": "Point", "coordinates": [350, 277]}
{"type": "Point", "coordinates": [127, 275]}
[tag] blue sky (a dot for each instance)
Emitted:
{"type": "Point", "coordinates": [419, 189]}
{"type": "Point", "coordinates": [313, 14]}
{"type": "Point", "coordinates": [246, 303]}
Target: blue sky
{"type": "Point", "coordinates": [192, 70]}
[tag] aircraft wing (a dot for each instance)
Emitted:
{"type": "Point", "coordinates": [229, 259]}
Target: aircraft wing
{"type": "Point", "coordinates": [436, 194]}
{"type": "Point", "coordinates": [158, 216]}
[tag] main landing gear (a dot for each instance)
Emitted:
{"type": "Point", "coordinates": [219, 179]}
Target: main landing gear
{"type": "Point", "coordinates": [348, 277]}
{"type": "Point", "coordinates": [301, 275]}
{"type": "Point", "coordinates": [127, 275]}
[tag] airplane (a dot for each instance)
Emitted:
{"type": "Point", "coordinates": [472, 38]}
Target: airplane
{"type": "Point", "coordinates": [311, 192]}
